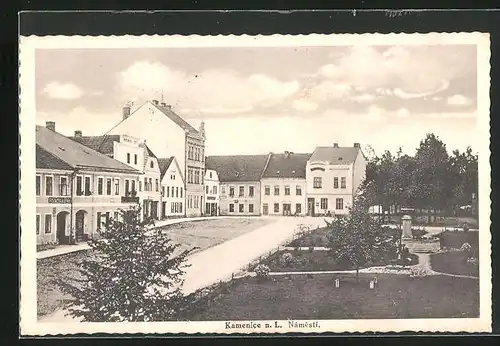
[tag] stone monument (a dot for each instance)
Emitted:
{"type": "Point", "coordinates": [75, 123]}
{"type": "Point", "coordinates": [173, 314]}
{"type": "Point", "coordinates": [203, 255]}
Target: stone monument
{"type": "Point", "coordinates": [406, 224]}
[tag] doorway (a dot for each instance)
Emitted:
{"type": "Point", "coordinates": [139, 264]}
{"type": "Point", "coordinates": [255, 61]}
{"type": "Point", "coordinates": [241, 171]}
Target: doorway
{"type": "Point", "coordinates": [62, 224]}
{"type": "Point", "coordinates": [310, 207]}
{"type": "Point", "coordinates": [265, 209]}
{"type": "Point", "coordinates": [287, 209]}
{"type": "Point", "coordinates": [80, 225]}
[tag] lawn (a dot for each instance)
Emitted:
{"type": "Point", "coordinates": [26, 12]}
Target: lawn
{"type": "Point", "coordinates": [207, 233]}
{"type": "Point", "coordinates": [314, 261]}
{"type": "Point", "coordinates": [300, 297]}
{"type": "Point", "coordinates": [453, 263]}
{"type": "Point", "coordinates": [317, 237]}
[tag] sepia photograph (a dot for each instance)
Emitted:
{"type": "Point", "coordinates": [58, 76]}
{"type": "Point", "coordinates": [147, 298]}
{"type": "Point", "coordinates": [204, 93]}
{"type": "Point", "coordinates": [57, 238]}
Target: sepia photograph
{"type": "Point", "coordinates": [255, 184]}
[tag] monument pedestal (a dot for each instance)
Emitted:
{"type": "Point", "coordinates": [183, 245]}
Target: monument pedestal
{"type": "Point", "coordinates": [406, 225]}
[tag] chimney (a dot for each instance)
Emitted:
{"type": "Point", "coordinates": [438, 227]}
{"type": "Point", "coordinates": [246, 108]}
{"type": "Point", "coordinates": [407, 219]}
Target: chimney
{"type": "Point", "coordinates": [126, 112]}
{"type": "Point", "coordinates": [155, 102]}
{"type": "Point", "coordinates": [169, 107]}
{"type": "Point", "coordinates": [357, 145]}
{"type": "Point", "coordinates": [78, 133]}
{"type": "Point", "coordinates": [202, 128]}
{"type": "Point", "coordinates": [335, 145]}
{"type": "Point", "coordinates": [51, 125]}
{"type": "Point", "coordinates": [163, 104]}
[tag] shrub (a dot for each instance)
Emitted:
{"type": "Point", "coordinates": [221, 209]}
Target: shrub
{"type": "Point", "coordinates": [262, 271]}
{"type": "Point", "coordinates": [417, 272]}
{"type": "Point", "coordinates": [287, 258]}
{"type": "Point", "coordinates": [418, 233]}
{"type": "Point", "coordinates": [46, 246]}
{"type": "Point", "coordinates": [451, 239]}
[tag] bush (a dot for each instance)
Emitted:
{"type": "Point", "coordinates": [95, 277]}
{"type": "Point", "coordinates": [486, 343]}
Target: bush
{"type": "Point", "coordinates": [455, 240]}
{"type": "Point", "coordinates": [262, 271]}
{"type": "Point", "coordinates": [466, 247]}
{"type": "Point", "coordinates": [417, 272]}
{"type": "Point", "coordinates": [46, 246]}
{"type": "Point", "coordinates": [418, 233]}
{"type": "Point", "coordinates": [287, 258]}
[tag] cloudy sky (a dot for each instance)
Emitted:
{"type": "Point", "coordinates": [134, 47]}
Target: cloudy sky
{"type": "Point", "coordinates": [256, 100]}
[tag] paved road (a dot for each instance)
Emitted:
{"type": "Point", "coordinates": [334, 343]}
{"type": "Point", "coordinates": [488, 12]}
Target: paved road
{"type": "Point", "coordinates": [219, 262]}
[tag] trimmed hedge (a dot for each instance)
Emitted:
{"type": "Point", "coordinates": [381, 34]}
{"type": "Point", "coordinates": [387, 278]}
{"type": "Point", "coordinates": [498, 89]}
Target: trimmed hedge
{"type": "Point", "coordinates": [455, 240]}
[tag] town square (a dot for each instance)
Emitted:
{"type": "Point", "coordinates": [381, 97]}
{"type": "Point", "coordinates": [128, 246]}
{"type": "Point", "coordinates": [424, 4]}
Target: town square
{"type": "Point", "coordinates": [264, 185]}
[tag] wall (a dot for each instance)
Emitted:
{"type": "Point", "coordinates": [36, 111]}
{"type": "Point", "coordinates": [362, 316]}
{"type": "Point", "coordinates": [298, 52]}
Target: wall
{"type": "Point", "coordinates": [212, 189]}
{"type": "Point", "coordinates": [120, 151]}
{"type": "Point", "coordinates": [225, 200]}
{"type": "Point", "coordinates": [292, 199]}
{"type": "Point", "coordinates": [195, 190]}
{"type": "Point", "coordinates": [359, 173]}
{"type": "Point", "coordinates": [154, 192]}
{"type": "Point", "coordinates": [172, 180]}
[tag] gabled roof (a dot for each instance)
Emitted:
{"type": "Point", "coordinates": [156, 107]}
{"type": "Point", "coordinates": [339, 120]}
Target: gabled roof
{"type": "Point", "coordinates": [164, 164]}
{"type": "Point", "coordinates": [289, 165]}
{"type": "Point", "coordinates": [102, 144]}
{"type": "Point", "coordinates": [237, 167]}
{"type": "Point", "coordinates": [77, 155]}
{"type": "Point", "coordinates": [335, 155]}
{"type": "Point", "coordinates": [175, 118]}
{"type": "Point", "coordinates": [150, 153]}
{"type": "Point", "coordinates": [46, 160]}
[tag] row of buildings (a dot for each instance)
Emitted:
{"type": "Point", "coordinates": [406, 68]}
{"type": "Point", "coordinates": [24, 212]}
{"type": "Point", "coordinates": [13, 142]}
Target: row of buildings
{"type": "Point", "coordinates": [154, 158]}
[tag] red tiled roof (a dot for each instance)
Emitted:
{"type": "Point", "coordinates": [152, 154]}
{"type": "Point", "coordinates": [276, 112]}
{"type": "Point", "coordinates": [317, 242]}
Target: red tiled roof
{"type": "Point", "coordinates": [176, 118]}
{"type": "Point", "coordinates": [102, 144]}
{"type": "Point", "coordinates": [289, 165]}
{"type": "Point", "coordinates": [237, 167]}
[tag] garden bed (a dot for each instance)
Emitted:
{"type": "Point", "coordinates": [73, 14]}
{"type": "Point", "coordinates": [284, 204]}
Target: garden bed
{"type": "Point", "coordinates": [314, 297]}
{"type": "Point", "coordinates": [455, 240]}
{"type": "Point", "coordinates": [453, 262]}
{"type": "Point", "coordinates": [317, 238]}
{"type": "Point", "coordinates": [315, 261]}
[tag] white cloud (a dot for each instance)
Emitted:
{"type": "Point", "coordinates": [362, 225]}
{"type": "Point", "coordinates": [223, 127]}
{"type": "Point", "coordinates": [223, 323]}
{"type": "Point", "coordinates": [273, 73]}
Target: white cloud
{"type": "Point", "coordinates": [96, 93]}
{"type": "Point", "coordinates": [304, 105]}
{"type": "Point", "coordinates": [405, 95]}
{"type": "Point", "coordinates": [375, 114]}
{"type": "Point", "coordinates": [458, 100]}
{"type": "Point", "coordinates": [221, 89]}
{"type": "Point", "coordinates": [327, 90]}
{"type": "Point", "coordinates": [220, 110]}
{"type": "Point", "coordinates": [63, 91]}
{"type": "Point", "coordinates": [363, 98]}
{"type": "Point", "coordinates": [403, 113]}
{"type": "Point", "coordinates": [457, 115]}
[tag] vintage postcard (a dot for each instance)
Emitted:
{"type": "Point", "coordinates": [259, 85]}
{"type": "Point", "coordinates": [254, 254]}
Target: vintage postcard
{"type": "Point", "coordinates": [255, 184]}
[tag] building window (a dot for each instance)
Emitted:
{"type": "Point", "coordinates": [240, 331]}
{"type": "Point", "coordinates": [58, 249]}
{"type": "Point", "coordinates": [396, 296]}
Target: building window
{"type": "Point", "coordinates": [98, 220]}
{"type": "Point", "coordinates": [128, 157]}
{"type": "Point", "coordinates": [157, 185]}
{"type": "Point", "coordinates": [117, 186]}
{"type": "Point", "coordinates": [298, 208]}
{"type": "Point", "coordinates": [206, 189]}
{"type": "Point", "coordinates": [79, 189]}
{"type": "Point", "coordinates": [140, 186]}
{"type": "Point", "coordinates": [276, 207]}
{"type": "Point", "coordinates": [223, 189]}
{"type": "Point", "coordinates": [151, 164]}
{"type": "Point", "coordinates": [172, 176]}
{"type": "Point", "coordinates": [324, 203]}
{"type": "Point", "coordinates": [115, 216]}
{"type": "Point", "coordinates": [172, 208]}
{"type": "Point", "coordinates": [298, 190]}
{"type": "Point", "coordinates": [146, 184]}
{"type": "Point", "coordinates": [214, 190]}
{"type": "Point", "coordinates": [63, 186]}
{"type": "Point", "coordinates": [250, 208]}
{"type": "Point", "coordinates": [335, 183]}
{"type": "Point", "coordinates": [276, 190]}
{"type": "Point", "coordinates": [172, 192]}
{"type": "Point", "coordinates": [339, 203]}
{"type": "Point", "coordinates": [317, 182]}
{"type": "Point", "coordinates": [37, 223]}
{"type": "Point", "coordinates": [163, 191]}
{"type": "Point", "coordinates": [210, 175]}
{"type": "Point", "coordinates": [242, 208]}
{"type": "Point", "coordinates": [48, 223]}
{"type": "Point", "coordinates": [87, 186]}
{"type": "Point", "coordinates": [48, 186]}
{"type": "Point", "coordinates": [38, 185]}
{"type": "Point", "coordinates": [176, 192]}
{"type": "Point", "coordinates": [287, 190]}
{"type": "Point", "coordinates": [342, 183]}
{"type": "Point", "coordinates": [100, 182]}
{"type": "Point", "coordinates": [267, 190]}
{"type": "Point", "coordinates": [127, 187]}
{"type": "Point", "coordinates": [250, 191]}
{"type": "Point", "coordinates": [135, 159]}
{"type": "Point", "coordinates": [231, 208]}
{"type": "Point", "coordinates": [181, 188]}
{"type": "Point", "coordinates": [133, 185]}
{"type": "Point", "coordinates": [231, 191]}
{"type": "Point", "coordinates": [242, 191]}
{"type": "Point", "coordinates": [108, 186]}
{"type": "Point", "coordinates": [150, 184]}
{"type": "Point", "coordinates": [180, 206]}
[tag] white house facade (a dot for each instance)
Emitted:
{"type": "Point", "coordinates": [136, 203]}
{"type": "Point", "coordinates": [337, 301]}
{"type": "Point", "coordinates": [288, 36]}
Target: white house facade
{"type": "Point", "coordinates": [212, 190]}
{"type": "Point", "coordinates": [172, 188]}
{"type": "Point", "coordinates": [333, 177]}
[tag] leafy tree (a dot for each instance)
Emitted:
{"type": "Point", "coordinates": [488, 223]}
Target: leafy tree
{"type": "Point", "coordinates": [130, 274]}
{"type": "Point", "coordinates": [359, 239]}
